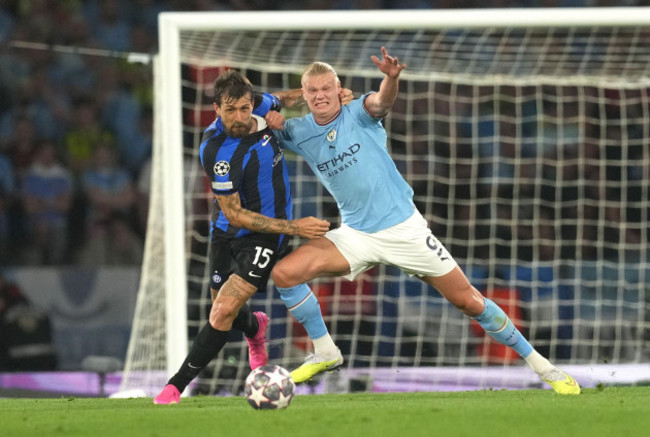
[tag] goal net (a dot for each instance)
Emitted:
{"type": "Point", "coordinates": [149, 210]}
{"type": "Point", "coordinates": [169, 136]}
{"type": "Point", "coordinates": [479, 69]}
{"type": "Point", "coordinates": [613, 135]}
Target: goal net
{"type": "Point", "coordinates": [525, 135]}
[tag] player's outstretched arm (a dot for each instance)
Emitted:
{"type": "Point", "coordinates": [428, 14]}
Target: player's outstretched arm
{"type": "Point", "coordinates": [306, 227]}
{"type": "Point", "coordinates": [290, 98]}
{"type": "Point", "coordinates": [294, 97]}
{"type": "Point", "coordinates": [379, 103]}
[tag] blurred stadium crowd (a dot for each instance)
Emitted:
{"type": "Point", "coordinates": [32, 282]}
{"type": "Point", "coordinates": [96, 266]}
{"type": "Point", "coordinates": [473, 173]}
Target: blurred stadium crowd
{"type": "Point", "coordinates": [76, 129]}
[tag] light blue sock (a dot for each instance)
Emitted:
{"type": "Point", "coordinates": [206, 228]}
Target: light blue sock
{"type": "Point", "coordinates": [302, 303]}
{"type": "Point", "coordinates": [498, 326]}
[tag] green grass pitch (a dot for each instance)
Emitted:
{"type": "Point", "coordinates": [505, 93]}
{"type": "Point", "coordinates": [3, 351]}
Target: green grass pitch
{"type": "Point", "coordinates": [608, 411]}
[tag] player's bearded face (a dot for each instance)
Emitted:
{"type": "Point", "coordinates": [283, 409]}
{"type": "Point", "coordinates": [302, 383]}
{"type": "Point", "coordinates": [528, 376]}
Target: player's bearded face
{"type": "Point", "coordinates": [236, 116]}
{"type": "Point", "coordinates": [321, 92]}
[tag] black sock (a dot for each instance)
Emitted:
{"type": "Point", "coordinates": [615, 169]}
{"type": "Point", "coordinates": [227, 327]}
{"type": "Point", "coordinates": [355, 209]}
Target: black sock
{"type": "Point", "coordinates": [246, 322]}
{"type": "Point", "coordinates": [206, 346]}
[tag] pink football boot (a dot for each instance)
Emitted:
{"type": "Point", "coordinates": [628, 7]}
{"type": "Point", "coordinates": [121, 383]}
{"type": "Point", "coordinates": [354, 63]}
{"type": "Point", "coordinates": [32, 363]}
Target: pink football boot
{"type": "Point", "coordinates": [257, 354]}
{"type": "Point", "coordinates": [169, 395]}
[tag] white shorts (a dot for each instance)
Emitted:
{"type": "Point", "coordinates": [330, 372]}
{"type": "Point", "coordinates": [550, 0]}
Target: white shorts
{"type": "Point", "coordinates": [409, 245]}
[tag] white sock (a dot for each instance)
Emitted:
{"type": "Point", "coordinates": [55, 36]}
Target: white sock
{"type": "Point", "coordinates": [538, 363]}
{"type": "Point", "coordinates": [325, 347]}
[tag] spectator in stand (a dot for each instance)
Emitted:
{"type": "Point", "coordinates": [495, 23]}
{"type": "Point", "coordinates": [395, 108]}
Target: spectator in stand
{"type": "Point", "coordinates": [108, 188]}
{"type": "Point", "coordinates": [112, 243]}
{"type": "Point", "coordinates": [109, 26]}
{"type": "Point", "coordinates": [20, 146]}
{"type": "Point", "coordinates": [85, 136]}
{"type": "Point", "coordinates": [25, 73]}
{"type": "Point", "coordinates": [145, 13]}
{"type": "Point", "coordinates": [38, 99]}
{"type": "Point", "coordinates": [7, 22]}
{"type": "Point", "coordinates": [25, 333]}
{"type": "Point", "coordinates": [47, 194]}
{"type": "Point", "coordinates": [10, 296]}
{"type": "Point", "coordinates": [123, 114]}
{"type": "Point", "coordinates": [14, 69]}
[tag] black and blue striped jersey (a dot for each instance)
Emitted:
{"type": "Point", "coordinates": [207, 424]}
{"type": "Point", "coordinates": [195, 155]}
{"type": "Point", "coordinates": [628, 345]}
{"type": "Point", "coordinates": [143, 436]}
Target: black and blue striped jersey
{"type": "Point", "coordinates": [253, 166]}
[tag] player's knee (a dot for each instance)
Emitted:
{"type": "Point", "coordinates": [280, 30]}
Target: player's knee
{"type": "Point", "coordinates": [222, 316]}
{"type": "Point", "coordinates": [283, 276]}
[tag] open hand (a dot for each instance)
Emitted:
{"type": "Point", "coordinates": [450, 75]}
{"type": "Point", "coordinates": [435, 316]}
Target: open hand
{"type": "Point", "coordinates": [388, 65]}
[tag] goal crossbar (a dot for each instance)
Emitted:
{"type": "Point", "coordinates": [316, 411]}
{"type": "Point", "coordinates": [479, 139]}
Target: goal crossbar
{"type": "Point", "coordinates": [406, 19]}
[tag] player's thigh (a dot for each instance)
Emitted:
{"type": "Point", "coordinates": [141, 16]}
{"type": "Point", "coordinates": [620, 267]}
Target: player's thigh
{"type": "Point", "coordinates": [316, 258]}
{"type": "Point", "coordinates": [251, 257]}
{"type": "Point", "coordinates": [414, 249]}
{"type": "Point", "coordinates": [220, 259]}
{"type": "Point", "coordinates": [255, 256]}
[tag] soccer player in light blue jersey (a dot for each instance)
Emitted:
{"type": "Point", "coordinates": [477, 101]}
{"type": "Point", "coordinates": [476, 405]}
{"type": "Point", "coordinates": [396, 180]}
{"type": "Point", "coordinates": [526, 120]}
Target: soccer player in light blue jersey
{"type": "Point", "coordinates": [345, 145]}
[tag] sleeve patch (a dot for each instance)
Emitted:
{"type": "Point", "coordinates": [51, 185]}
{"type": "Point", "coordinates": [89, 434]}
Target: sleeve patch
{"type": "Point", "coordinates": [222, 185]}
{"type": "Point", "coordinates": [221, 168]}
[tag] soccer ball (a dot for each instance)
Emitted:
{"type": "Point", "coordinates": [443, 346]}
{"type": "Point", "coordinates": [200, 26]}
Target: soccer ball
{"type": "Point", "coordinates": [269, 388]}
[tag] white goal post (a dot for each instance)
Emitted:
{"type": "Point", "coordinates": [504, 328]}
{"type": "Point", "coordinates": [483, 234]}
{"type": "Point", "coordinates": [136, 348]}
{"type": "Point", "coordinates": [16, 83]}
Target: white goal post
{"type": "Point", "coordinates": [518, 114]}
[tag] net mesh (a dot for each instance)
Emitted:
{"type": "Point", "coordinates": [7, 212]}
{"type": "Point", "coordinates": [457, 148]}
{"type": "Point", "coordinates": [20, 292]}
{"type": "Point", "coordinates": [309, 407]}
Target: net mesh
{"type": "Point", "coordinates": [528, 153]}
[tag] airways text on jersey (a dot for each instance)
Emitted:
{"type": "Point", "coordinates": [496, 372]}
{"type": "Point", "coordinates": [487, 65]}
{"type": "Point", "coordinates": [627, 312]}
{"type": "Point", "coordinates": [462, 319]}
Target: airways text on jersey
{"type": "Point", "coordinates": [340, 162]}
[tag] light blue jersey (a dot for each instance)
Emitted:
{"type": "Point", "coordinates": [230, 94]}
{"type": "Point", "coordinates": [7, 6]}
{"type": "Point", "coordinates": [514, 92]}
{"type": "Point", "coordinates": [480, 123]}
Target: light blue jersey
{"type": "Point", "coordinates": [350, 157]}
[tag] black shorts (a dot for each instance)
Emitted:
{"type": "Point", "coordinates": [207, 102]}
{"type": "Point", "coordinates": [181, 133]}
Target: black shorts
{"type": "Point", "coordinates": [252, 257]}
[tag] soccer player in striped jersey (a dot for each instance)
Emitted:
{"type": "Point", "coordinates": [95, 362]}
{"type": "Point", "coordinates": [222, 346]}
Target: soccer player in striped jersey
{"type": "Point", "coordinates": [346, 148]}
{"type": "Point", "coordinates": [252, 218]}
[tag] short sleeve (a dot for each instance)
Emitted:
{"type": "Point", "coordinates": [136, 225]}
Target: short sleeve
{"type": "Point", "coordinates": [263, 103]}
{"type": "Point", "coordinates": [224, 179]}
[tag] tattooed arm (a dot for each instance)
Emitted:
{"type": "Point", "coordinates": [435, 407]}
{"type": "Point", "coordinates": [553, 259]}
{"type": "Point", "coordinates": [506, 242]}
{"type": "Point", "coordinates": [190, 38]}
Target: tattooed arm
{"type": "Point", "coordinates": [306, 227]}
{"type": "Point", "coordinates": [294, 97]}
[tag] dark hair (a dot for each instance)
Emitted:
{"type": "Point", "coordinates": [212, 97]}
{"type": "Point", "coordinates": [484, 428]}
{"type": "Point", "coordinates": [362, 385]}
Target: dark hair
{"type": "Point", "coordinates": [231, 85]}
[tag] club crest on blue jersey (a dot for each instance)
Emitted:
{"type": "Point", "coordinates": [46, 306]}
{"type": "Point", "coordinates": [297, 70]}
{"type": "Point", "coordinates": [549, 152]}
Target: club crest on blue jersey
{"type": "Point", "coordinates": [221, 168]}
{"type": "Point", "coordinates": [277, 158]}
{"type": "Point", "coordinates": [331, 135]}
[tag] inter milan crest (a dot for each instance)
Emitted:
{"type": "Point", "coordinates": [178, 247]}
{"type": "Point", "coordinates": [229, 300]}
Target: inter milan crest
{"type": "Point", "coordinates": [331, 135]}
{"type": "Point", "coordinates": [221, 168]}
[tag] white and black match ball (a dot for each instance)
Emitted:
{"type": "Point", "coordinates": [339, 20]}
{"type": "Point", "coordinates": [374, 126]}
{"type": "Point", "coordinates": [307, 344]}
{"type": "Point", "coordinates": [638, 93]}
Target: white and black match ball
{"type": "Point", "coordinates": [269, 387]}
